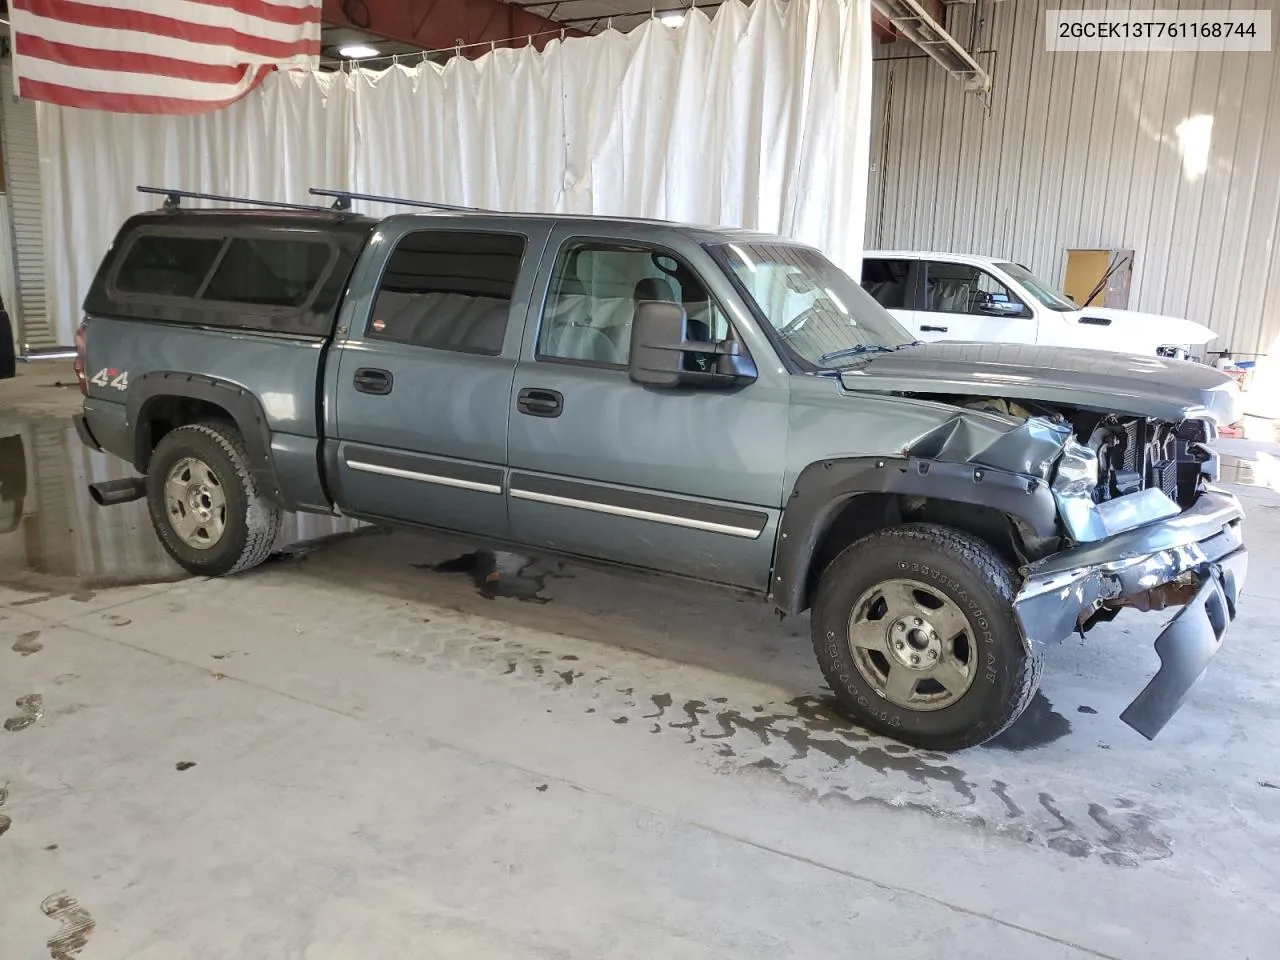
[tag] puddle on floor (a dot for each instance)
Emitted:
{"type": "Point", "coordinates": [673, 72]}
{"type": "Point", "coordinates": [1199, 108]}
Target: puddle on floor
{"type": "Point", "coordinates": [49, 525]}
{"type": "Point", "coordinates": [499, 573]}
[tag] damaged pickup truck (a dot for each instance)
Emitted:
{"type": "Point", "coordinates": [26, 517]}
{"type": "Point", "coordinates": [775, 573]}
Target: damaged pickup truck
{"type": "Point", "coordinates": [707, 403]}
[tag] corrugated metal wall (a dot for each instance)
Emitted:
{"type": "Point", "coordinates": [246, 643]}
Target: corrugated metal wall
{"type": "Point", "coordinates": [1085, 150]}
{"type": "Point", "coordinates": [26, 209]}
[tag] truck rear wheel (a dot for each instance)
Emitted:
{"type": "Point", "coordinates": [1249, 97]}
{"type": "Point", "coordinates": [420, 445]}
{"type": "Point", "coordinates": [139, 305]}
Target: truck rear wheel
{"type": "Point", "coordinates": [915, 632]}
{"type": "Point", "coordinates": [205, 506]}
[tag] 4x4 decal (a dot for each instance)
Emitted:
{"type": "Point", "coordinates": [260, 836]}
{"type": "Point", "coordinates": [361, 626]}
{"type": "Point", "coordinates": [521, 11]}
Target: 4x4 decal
{"type": "Point", "coordinates": [111, 377]}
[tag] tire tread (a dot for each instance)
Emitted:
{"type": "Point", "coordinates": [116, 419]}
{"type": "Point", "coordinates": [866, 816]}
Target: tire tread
{"type": "Point", "coordinates": [987, 564]}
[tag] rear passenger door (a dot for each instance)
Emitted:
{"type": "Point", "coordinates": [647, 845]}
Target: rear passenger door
{"type": "Point", "coordinates": [423, 380]}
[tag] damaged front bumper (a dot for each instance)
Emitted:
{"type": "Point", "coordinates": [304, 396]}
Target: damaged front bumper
{"type": "Point", "coordinates": [1204, 542]}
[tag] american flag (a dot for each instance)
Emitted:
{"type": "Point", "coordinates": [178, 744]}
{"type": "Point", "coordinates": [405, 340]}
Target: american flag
{"type": "Point", "coordinates": [157, 56]}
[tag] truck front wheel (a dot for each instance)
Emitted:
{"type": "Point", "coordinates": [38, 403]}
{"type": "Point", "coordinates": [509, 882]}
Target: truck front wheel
{"type": "Point", "coordinates": [915, 632]}
{"type": "Point", "coordinates": [205, 506]}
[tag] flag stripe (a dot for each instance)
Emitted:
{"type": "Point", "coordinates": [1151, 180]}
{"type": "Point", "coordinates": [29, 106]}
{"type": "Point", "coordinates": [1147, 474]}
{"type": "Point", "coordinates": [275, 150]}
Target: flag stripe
{"type": "Point", "coordinates": [157, 56]}
{"type": "Point", "coordinates": [127, 102]}
{"type": "Point", "coordinates": [269, 41]}
{"type": "Point", "coordinates": [77, 57]}
{"type": "Point", "coordinates": [294, 14]}
{"type": "Point", "coordinates": [146, 84]}
{"type": "Point", "coordinates": [127, 41]}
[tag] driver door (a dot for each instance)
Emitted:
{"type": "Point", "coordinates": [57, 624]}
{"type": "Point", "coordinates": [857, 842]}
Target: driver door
{"type": "Point", "coordinates": [964, 302]}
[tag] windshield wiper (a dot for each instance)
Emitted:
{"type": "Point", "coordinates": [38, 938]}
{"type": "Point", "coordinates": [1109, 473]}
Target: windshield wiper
{"type": "Point", "coordinates": [853, 352]}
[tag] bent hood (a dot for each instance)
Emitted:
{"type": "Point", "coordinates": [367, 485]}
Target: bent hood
{"type": "Point", "coordinates": [1133, 332]}
{"type": "Point", "coordinates": [1090, 379]}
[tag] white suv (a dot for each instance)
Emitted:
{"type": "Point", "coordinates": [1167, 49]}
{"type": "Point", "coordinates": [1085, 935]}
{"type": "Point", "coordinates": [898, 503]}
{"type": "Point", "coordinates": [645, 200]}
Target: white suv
{"type": "Point", "coordinates": [957, 296]}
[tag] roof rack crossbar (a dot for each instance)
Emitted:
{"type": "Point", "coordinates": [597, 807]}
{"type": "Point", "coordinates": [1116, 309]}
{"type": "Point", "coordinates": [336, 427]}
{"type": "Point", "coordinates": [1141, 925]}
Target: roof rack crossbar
{"type": "Point", "coordinates": [342, 201]}
{"type": "Point", "coordinates": [173, 199]}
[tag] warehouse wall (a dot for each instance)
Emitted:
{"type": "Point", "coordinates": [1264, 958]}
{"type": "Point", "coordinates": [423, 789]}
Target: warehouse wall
{"type": "Point", "coordinates": [1092, 150]}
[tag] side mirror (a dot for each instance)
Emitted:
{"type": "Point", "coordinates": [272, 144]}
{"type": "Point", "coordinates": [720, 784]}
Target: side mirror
{"type": "Point", "coordinates": [659, 347]}
{"type": "Point", "coordinates": [1000, 307]}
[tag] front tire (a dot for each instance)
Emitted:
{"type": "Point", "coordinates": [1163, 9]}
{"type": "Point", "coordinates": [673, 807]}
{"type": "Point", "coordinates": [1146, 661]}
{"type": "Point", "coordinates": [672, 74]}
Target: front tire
{"type": "Point", "coordinates": [915, 632]}
{"type": "Point", "coordinates": [204, 504]}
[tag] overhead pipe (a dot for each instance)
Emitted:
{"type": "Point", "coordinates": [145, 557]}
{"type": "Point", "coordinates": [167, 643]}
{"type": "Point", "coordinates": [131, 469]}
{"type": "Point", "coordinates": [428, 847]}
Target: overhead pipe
{"type": "Point", "coordinates": [914, 22]}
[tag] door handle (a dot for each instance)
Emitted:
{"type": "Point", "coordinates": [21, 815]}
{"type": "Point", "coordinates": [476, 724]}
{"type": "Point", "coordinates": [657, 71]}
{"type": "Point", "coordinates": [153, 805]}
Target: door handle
{"type": "Point", "coordinates": [1096, 321]}
{"type": "Point", "coordinates": [540, 403]}
{"type": "Point", "coordinates": [375, 381]}
{"type": "Point", "coordinates": [925, 328]}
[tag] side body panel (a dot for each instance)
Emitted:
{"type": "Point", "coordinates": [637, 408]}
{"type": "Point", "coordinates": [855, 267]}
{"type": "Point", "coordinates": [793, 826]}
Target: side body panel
{"type": "Point", "coordinates": [280, 372]}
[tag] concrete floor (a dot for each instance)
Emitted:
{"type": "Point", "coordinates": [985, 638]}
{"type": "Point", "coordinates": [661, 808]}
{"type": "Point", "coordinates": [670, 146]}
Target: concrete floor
{"type": "Point", "coordinates": [348, 753]}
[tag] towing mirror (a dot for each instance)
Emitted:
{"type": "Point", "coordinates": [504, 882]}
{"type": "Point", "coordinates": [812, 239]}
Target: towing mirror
{"type": "Point", "coordinates": [662, 356]}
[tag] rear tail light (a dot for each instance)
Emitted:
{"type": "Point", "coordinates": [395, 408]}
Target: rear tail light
{"type": "Point", "coordinates": [80, 359]}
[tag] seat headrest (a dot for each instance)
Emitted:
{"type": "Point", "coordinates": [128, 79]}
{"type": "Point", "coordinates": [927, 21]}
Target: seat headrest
{"type": "Point", "coordinates": [655, 289]}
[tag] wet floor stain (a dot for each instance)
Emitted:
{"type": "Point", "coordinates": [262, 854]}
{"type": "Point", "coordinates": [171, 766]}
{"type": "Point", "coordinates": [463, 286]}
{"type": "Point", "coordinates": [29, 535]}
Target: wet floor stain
{"type": "Point", "coordinates": [1038, 726]}
{"type": "Point", "coordinates": [75, 925]}
{"type": "Point", "coordinates": [28, 643]}
{"type": "Point", "coordinates": [31, 709]}
{"type": "Point", "coordinates": [812, 744]}
{"type": "Point", "coordinates": [497, 573]}
{"type": "Point", "coordinates": [5, 822]}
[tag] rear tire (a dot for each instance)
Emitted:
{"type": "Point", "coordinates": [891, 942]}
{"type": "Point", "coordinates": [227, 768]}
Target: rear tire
{"type": "Point", "coordinates": [205, 506]}
{"type": "Point", "coordinates": [915, 632]}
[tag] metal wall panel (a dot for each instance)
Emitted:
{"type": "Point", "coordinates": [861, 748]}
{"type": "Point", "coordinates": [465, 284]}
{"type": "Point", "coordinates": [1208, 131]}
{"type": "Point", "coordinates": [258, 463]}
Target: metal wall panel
{"type": "Point", "coordinates": [26, 210]}
{"type": "Point", "coordinates": [1096, 151]}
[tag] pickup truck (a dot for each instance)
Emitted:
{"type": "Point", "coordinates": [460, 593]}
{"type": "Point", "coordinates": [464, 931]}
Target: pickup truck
{"type": "Point", "coordinates": [960, 296]}
{"type": "Point", "coordinates": [708, 403]}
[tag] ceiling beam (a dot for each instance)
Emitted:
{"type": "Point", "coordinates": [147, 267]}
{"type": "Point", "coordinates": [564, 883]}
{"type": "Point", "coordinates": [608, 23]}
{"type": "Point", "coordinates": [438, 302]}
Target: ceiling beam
{"type": "Point", "coordinates": [440, 24]}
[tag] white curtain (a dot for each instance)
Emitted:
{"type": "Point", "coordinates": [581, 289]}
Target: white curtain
{"type": "Point", "coordinates": [759, 117]}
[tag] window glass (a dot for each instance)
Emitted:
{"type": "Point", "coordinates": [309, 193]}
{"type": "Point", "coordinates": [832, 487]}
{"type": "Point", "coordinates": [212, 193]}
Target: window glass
{"type": "Point", "coordinates": [167, 266]}
{"type": "Point", "coordinates": [595, 292]}
{"type": "Point", "coordinates": [961, 288]}
{"type": "Point", "coordinates": [1044, 292]}
{"type": "Point", "coordinates": [886, 281]}
{"type": "Point", "coordinates": [449, 290]}
{"type": "Point", "coordinates": [269, 273]}
{"type": "Point", "coordinates": [814, 311]}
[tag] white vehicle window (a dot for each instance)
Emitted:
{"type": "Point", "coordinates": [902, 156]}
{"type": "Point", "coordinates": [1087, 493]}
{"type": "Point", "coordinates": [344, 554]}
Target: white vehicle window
{"type": "Point", "coordinates": [962, 288]}
{"type": "Point", "coordinates": [1042, 291]}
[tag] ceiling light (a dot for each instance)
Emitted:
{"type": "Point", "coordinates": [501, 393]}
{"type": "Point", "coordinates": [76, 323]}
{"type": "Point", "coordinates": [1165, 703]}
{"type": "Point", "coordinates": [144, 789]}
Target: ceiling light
{"type": "Point", "coordinates": [357, 51]}
{"type": "Point", "coordinates": [672, 19]}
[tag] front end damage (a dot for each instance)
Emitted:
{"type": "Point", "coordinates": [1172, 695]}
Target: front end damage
{"type": "Point", "coordinates": [1199, 553]}
{"type": "Point", "coordinates": [1146, 529]}
{"type": "Point", "coordinates": [1140, 525]}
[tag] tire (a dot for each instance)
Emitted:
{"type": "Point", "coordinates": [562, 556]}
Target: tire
{"type": "Point", "coordinates": [875, 611]}
{"type": "Point", "coordinates": [240, 526]}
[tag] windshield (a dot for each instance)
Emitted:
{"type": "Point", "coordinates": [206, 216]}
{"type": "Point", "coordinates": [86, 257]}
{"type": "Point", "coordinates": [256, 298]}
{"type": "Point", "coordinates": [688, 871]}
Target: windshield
{"type": "Point", "coordinates": [818, 315]}
{"type": "Point", "coordinates": [1042, 291]}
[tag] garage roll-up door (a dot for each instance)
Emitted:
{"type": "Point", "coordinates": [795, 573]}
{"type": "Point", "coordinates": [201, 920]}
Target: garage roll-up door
{"type": "Point", "coordinates": [26, 215]}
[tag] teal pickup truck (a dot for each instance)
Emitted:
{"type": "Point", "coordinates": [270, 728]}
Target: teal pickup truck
{"type": "Point", "coordinates": [709, 403]}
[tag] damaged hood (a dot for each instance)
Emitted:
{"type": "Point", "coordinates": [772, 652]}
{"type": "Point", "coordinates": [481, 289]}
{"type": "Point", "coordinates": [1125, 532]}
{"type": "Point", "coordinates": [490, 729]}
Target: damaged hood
{"type": "Point", "coordinates": [1145, 386]}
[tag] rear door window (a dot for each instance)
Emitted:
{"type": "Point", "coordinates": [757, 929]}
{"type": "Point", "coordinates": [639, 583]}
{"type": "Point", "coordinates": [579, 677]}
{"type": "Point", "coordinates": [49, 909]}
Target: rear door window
{"type": "Point", "coordinates": [888, 281]}
{"type": "Point", "coordinates": [167, 266]}
{"type": "Point", "coordinates": [449, 290]}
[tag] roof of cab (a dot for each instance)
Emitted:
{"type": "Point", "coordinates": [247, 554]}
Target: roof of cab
{"type": "Point", "coordinates": [358, 223]}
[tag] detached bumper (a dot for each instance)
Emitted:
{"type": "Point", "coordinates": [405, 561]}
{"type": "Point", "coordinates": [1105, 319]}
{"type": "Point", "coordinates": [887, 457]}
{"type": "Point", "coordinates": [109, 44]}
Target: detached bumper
{"type": "Point", "coordinates": [1204, 542]}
